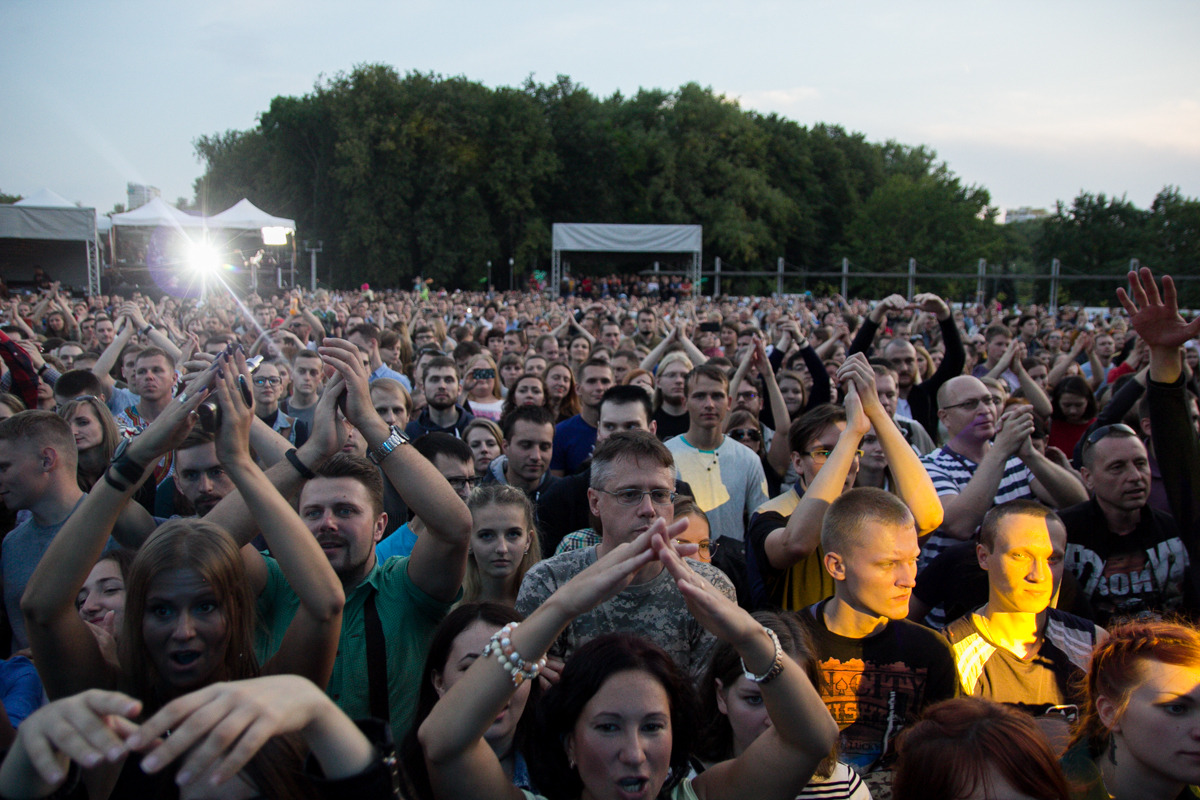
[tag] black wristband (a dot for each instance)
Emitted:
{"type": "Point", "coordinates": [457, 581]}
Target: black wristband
{"type": "Point", "coordinates": [128, 469]}
{"type": "Point", "coordinates": [295, 461]}
{"type": "Point", "coordinates": [108, 478]}
{"type": "Point", "coordinates": [149, 327]}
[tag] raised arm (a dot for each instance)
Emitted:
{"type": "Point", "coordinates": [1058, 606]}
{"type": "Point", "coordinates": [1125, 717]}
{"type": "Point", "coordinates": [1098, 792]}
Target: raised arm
{"type": "Point", "coordinates": [963, 512]}
{"type": "Point", "coordinates": [799, 538]}
{"type": "Point", "coordinates": [778, 450]}
{"type": "Point", "coordinates": [782, 759]}
{"type": "Point", "coordinates": [1058, 371]}
{"type": "Point", "coordinates": [102, 369]}
{"type": "Point", "coordinates": [913, 483]}
{"type": "Point", "coordinates": [161, 340]}
{"type": "Point", "coordinates": [461, 764]}
{"type": "Point", "coordinates": [654, 356]}
{"type": "Point", "coordinates": [1035, 394]}
{"type": "Point", "coordinates": [439, 558]}
{"type": "Point", "coordinates": [310, 644]}
{"type": "Point", "coordinates": [67, 653]}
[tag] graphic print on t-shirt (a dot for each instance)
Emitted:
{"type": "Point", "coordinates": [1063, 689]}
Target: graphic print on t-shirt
{"type": "Point", "coordinates": [870, 705]}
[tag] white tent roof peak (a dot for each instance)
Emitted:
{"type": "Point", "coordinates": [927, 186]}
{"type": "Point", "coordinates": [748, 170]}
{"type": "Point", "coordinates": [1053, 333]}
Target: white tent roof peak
{"type": "Point", "coordinates": [244, 215]}
{"type": "Point", "coordinates": [157, 213]}
{"type": "Point", "coordinates": [46, 198]}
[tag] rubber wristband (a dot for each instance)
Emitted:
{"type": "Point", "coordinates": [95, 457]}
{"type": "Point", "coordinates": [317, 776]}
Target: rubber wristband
{"type": "Point", "coordinates": [295, 461]}
{"type": "Point", "coordinates": [108, 478]}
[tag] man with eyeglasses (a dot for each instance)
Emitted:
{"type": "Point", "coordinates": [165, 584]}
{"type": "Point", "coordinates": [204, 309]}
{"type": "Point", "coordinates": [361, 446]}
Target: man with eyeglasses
{"type": "Point", "coordinates": [268, 389]}
{"type": "Point", "coordinates": [988, 459]}
{"type": "Point", "coordinates": [632, 486]}
{"type": "Point", "coordinates": [452, 458]}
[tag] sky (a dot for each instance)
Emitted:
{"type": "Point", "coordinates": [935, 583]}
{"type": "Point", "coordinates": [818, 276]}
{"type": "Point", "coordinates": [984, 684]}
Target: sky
{"type": "Point", "coordinates": [1036, 101]}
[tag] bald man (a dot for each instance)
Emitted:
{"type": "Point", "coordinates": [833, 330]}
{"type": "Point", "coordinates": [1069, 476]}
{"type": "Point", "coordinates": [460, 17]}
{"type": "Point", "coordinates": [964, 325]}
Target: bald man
{"type": "Point", "coordinates": [989, 459]}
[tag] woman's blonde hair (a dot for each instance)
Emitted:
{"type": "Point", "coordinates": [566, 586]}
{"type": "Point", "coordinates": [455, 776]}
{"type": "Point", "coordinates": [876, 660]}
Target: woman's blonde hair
{"type": "Point", "coordinates": [94, 460]}
{"type": "Point", "coordinates": [501, 494]}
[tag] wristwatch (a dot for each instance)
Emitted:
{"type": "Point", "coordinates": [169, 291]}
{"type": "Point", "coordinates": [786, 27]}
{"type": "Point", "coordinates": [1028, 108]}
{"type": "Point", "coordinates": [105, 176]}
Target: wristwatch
{"type": "Point", "coordinates": [378, 454]}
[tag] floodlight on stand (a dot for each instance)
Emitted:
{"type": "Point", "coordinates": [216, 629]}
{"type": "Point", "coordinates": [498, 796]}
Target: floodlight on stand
{"type": "Point", "coordinates": [275, 236]}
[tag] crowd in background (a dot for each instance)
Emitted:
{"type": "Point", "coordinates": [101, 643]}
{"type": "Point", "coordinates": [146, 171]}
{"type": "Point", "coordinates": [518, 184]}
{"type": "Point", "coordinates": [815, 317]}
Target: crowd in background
{"type": "Point", "coordinates": [719, 547]}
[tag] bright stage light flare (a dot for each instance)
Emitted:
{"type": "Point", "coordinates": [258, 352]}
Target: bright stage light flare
{"type": "Point", "coordinates": [203, 259]}
{"type": "Point", "coordinates": [275, 236]}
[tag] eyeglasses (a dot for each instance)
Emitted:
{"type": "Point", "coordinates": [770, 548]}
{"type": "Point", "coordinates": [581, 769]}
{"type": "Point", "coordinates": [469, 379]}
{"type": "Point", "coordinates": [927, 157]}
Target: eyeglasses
{"type": "Point", "coordinates": [973, 404]}
{"type": "Point", "coordinates": [747, 395]}
{"type": "Point", "coordinates": [706, 546]}
{"type": "Point", "coordinates": [633, 497]}
{"type": "Point", "coordinates": [267, 381]}
{"type": "Point", "coordinates": [820, 456]}
{"type": "Point", "coordinates": [746, 434]}
{"type": "Point", "coordinates": [458, 484]}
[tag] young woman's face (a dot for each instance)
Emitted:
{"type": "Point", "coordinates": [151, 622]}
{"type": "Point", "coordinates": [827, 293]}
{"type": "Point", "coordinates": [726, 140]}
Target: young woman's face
{"type": "Point", "coordinates": [184, 627]}
{"type": "Point", "coordinates": [1073, 406]}
{"type": "Point", "coordinates": [509, 373]}
{"type": "Point", "coordinates": [102, 592]}
{"type": "Point", "coordinates": [793, 395]}
{"type": "Point", "coordinates": [697, 531]}
{"type": "Point", "coordinates": [579, 350]}
{"type": "Point", "coordinates": [622, 740]}
{"type": "Point", "coordinates": [484, 448]}
{"type": "Point", "coordinates": [466, 648]}
{"type": "Point", "coordinates": [85, 427]}
{"type": "Point", "coordinates": [743, 704]}
{"type": "Point", "coordinates": [558, 381]}
{"type": "Point", "coordinates": [483, 386]}
{"type": "Point", "coordinates": [500, 535]}
{"type": "Point", "coordinates": [645, 381]}
{"type": "Point", "coordinates": [1160, 729]}
{"type": "Point", "coordinates": [529, 393]}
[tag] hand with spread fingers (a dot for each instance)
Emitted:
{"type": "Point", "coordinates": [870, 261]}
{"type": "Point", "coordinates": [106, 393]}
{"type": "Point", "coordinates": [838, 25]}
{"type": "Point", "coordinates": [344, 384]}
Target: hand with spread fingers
{"type": "Point", "coordinates": [215, 731]}
{"type": "Point", "coordinates": [174, 424]}
{"type": "Point", "coordinates": [1156, 317]}
{"type": "Point", "coordinates": [89, 728]}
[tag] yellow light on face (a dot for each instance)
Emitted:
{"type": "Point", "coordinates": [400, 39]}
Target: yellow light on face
{"type": "Point", "coordinates": [275, 236]}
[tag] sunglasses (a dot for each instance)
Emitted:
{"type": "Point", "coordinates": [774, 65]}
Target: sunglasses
{"type": "Point", "coordinates": [746, 435]}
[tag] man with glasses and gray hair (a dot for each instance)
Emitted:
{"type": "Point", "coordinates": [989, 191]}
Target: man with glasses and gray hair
{"type": "Point", "coordinates": [988, 459]}
{"type": "Point", "coordinates": [632, 487]}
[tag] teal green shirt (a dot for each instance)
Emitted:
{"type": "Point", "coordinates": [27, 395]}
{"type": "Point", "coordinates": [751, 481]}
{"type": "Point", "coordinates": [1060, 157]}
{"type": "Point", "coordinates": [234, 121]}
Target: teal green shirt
{"type": "Point", "coordinates": [408, 615]}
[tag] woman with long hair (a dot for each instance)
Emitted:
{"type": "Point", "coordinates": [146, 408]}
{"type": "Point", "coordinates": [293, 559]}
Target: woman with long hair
{"type": "Point", "coordinates": [1138, 736]}
{"type": "Point", "coordinates": [973, 748]}
{"type": "Point", "coordinates": [96, 437]}
{"type": "Point", "coordinates": [731, 708]}
{"type": "Point", "coordinates": [527, 390]}
{"type": "Point", "coordinates": [456, 644]}
{"type": "Point", "coordinates": [744, 427]}
{"type": "Point", "coordinates": [482, 395]}
{"type": "Point", "coordinates": [1074, 409]}
{"type": "Point", "coordinates": [486, 442]}
{"type": "Point", "coordinates": [621, 720]}
{"type": "Point", "coordinates": [504, 544]}
{"type": "Point", "coordinates": [579, 350]}
{"type": "Point", "coordinates": [564, 396]}
{"type": "Point", "coordinates": [190, 610]}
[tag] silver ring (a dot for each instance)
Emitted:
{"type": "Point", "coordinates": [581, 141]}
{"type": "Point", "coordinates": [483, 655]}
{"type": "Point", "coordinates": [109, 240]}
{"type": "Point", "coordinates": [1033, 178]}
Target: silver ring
{"type": "Point", "coordinates": [182, 397]}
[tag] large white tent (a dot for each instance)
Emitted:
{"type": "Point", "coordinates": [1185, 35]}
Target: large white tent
{"type": "Point", "coordinates": [46, 230]}
{"type": "Point", "coordinates": [245, 216]}
{"type": "Point", "coordinates": [157, 214]}
{"type": "Point", "coordinates": [599, 238]}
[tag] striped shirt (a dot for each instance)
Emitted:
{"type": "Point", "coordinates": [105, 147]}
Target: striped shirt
{"type": "Point", "coordinates": [951, 472]}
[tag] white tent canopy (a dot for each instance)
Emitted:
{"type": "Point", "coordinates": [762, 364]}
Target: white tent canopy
{"type": "Point", "coordinates": [42, 228]}
{"type": "Point", "coordinates": [244, 215]}
{"type": "Point", "coordinates": [156, 214]}
{"type": "Point", "coordinates": [596, 237]}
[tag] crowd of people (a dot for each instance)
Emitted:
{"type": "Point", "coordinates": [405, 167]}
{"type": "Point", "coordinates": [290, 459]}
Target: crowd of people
{"type": "Point", "coordinates": [624, 543]}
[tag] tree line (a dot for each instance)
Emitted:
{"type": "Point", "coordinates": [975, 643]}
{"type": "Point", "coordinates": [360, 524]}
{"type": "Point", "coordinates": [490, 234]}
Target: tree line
{"type": "Point", "coordinates": [427, 175]}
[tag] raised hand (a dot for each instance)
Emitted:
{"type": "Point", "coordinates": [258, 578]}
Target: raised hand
{"type": "Point", "coordinates": [1156, 318]}
{"type": "Point", "coordinates": [232, 388]}
{"type": "Point", "coordinates": [1014, 429]}
{"type": "Point", "coordinates": [931, 303]}
{"type": "Point", "coordinates": [613, 571]}
{"type": "Point", "coordinates": [718, 615]}
{"type": "Point", "coordinates": [344, 357]}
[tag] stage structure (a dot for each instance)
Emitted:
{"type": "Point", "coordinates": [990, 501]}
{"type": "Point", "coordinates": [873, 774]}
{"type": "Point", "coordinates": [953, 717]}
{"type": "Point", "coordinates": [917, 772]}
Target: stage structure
{"type": "Point", "coordinates": [46, 230]}
{"type": "Point", "coordinates": [598, 238]}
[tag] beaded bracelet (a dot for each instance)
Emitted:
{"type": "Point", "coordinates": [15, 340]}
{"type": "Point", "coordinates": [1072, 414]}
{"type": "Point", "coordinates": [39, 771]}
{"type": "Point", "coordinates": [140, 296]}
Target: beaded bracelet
{"type": "Point", "coordinates": [518, 668]}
